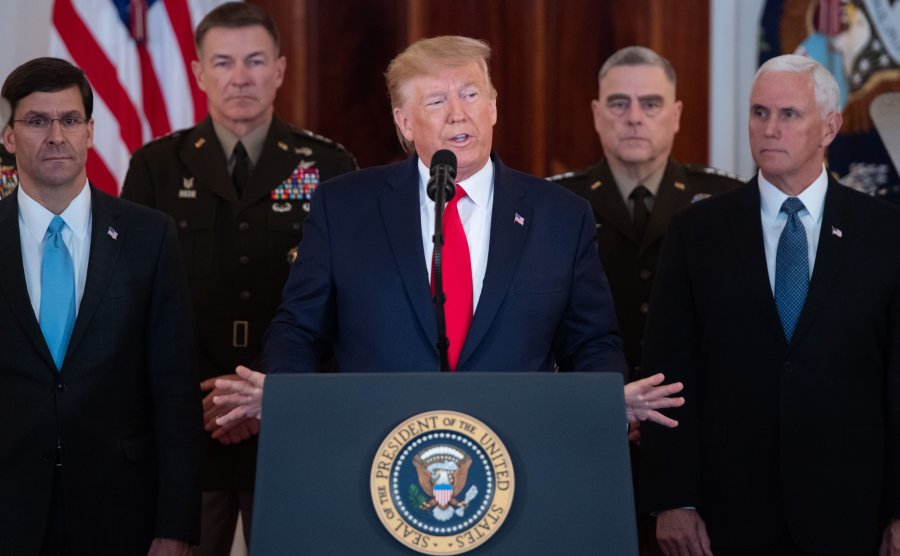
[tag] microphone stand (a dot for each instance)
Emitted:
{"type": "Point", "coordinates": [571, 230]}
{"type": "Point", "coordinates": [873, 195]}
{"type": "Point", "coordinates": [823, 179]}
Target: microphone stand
{"type": "Point", "coordinates": [443, 343]}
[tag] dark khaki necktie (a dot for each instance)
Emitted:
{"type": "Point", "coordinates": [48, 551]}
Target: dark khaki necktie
{"type": "Point", "coordinates": [240, 174]}
{"type": "Point", "coordinates": [640, 214]}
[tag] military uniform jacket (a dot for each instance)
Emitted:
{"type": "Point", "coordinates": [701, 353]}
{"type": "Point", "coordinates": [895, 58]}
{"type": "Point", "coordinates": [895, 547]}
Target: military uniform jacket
{"type": "Point", "coordinates": [237, 249]}
{"type": "Point", "coordinates": [631, 264]}
{"type": "Point", "coordinates": [9, 178]}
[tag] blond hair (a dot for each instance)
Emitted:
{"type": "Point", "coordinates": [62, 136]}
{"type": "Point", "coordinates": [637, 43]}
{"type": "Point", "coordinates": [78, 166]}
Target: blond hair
{"type": "Point", "coordinates": [424, 57]}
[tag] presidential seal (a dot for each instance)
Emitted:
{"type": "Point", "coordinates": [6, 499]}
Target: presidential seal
{"type": "Point", "coordinates": [442, 482]}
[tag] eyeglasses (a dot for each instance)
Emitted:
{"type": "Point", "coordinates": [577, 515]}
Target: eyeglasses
{"type": "Point", "coordinates": [38, 123]}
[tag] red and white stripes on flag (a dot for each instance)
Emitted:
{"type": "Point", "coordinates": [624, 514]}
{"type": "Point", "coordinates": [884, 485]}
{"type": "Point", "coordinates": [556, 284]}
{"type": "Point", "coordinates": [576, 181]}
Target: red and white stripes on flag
{"type": "Point", "coordinates": [137, 56]}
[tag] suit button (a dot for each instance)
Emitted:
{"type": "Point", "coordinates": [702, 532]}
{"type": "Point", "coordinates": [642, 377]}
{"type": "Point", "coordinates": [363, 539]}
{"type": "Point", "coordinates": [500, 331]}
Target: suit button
{"type": "Point", "coordinates": [645, 308]}
{"type": "Point", "coordinates": [61, 387]}
{"type": "Point", "coordinates": [182, 224]}
{"type": "Point", "coordinates": [789, 367]}
{"type": "Point", "coordinates": [645, 274]}
{"type": "Point", "coordinates": [244, 226]}
{"type": "Point", "coordinates": [244, 295]}
{"type": "Point", "coordinates": [244, 260]}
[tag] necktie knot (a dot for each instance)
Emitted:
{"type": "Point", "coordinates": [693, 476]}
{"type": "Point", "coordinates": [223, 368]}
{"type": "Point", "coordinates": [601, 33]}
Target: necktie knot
{"type": "Point", "coordinates": [239, 151]}
{"type": "Point", "coordinates": [56, 225]}
{"type": "Point", "coordinates": [639, 194]}
{"type": "Point", "coordinates": [460, 193]}
{"type": "Point", "coordinates": [791, 206]}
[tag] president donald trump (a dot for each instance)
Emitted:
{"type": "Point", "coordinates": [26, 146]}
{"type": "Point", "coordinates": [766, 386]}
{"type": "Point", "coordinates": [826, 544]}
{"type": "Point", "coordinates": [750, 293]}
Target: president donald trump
{"type": "Point", "coordinates": [524, 283]}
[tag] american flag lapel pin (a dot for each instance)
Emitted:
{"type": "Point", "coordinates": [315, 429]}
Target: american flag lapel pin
{"type": "Point", "coordinates": [835, 231]}
{"type": "Point", "coordinates": [519, 219]}
{"type": "Point", "coordinates": [111, 232]}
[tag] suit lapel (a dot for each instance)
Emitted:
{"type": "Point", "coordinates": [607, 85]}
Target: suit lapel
{"type": "Point", "coordinates": [749, 247]}
{"type": "Point", "coordinates": [605, 197]}
{"type": "Point", "coordinates": [12, 277]}
{"type": "Point", "coordinates": [275, 164]}
{"type": "Point", "coordinates": [202, 154]}
{"type": "Point", "coordinates": [398, 202]}
{"type": "Point", "coordinates": [101, 262]}
{"type": "Point", "coordinates": [506, 244]}
{"type": "Point", "coordinates": [830, 254]}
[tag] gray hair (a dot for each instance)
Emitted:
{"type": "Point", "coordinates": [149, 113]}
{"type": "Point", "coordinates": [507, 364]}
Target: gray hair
{"type": "Point", "coordinates": [637, 56]}
{"type": "Point", "coordinates": [824, 84]}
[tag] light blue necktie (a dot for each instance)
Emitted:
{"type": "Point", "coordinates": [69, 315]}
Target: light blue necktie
{"type": "Point", "coordinates": [791, 268]}
{"type": "Point", "coordinates": [57, 313]}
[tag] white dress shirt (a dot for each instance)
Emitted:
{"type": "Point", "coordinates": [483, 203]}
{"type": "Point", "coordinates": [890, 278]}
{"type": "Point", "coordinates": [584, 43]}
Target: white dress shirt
{"type": "Point", "coordinates": [773, 220]}
{"type": "Point", "coordinates": [475, 214]}
{"type": "Point", "coordinates": [34, 219]}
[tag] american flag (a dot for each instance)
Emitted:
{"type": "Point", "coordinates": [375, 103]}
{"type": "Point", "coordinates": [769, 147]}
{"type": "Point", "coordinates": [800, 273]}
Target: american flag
{"type": "Point", "coordinates": [137, 55]}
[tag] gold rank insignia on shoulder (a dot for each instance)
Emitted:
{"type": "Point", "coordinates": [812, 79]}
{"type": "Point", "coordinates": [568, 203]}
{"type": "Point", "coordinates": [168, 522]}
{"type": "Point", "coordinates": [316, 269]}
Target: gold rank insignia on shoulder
{"type": "Point", "coordinates": [679, 186]}
{"type": "Point", "coordinates": [596, 185]}
{"type": "Point", "coordinates": [199, 142]}
{"type": "Point", "coordinates": [187, 191]}
{"type": "Point", "coordinates": [283, 146]}
{"type": "Point", "coordinates": [292, 255]}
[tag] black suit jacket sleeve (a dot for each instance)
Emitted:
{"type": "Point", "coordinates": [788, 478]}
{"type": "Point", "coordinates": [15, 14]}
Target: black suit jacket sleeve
{"type": "Point", "coordinates": [177, 418]}
{"type": "Point", "coordinates": [587, 338]}
{"type": "Point", "coordinates": [669, 462]}
{"type": "Point", "coordinates": [892, 403]}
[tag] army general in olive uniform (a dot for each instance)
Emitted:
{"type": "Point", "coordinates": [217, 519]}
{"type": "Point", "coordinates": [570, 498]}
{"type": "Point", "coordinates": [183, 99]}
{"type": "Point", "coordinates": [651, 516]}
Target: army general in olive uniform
{"type": "Point", "coordinates": [238, 186]}
{"type": "Point", "coordinates": [637, 188]}
{"type": "Point", "coordinates": [635, 191]}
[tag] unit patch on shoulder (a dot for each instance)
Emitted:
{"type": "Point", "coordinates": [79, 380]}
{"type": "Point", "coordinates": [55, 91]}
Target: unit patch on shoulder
{"type": "Point", "coordinates": [299, 185]}
{"type": "Point", "coordinates": [442, 482]}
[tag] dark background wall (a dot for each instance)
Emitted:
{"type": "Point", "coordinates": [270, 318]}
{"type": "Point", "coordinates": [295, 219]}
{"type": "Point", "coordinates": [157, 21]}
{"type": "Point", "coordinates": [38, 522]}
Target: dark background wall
{"type": "Point", "coordinates": [544, 66]}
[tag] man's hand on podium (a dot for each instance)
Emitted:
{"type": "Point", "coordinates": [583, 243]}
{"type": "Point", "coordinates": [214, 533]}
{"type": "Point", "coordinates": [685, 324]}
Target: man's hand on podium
{"type": "Point", "coordinates": [643, 397]}
{"type": "Point", "coordinates": [239, 400]}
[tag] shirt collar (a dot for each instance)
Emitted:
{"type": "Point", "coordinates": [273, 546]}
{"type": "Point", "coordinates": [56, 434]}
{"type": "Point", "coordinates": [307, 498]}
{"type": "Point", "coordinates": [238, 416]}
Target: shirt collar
{"type": "Point", "coordinates": [77, 215]}
{"type": "Point", "coordinates": [813, 197]}
{"type": "Point", "coordinates": [478, 186]}
{"type": "Point", "coordinates": [253, 141]}
{"type": "Point", "coordinates": [627, 184]}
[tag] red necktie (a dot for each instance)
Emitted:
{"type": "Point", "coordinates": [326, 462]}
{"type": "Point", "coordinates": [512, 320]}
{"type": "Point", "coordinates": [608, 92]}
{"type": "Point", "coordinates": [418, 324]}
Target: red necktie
{"type": "Point", "coordinates": [457, 276]}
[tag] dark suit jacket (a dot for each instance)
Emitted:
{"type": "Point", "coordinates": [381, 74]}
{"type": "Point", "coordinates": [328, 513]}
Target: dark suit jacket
{"type": "Point", "coordinates": [361, 282]}
{"type": "Point", "coordinates": [124, 407]}
{"type": "Point", "coordinates": [629, 262]}
{"type": "Point", "coordinates": [236, 249]}
{"type": "Point", "coordinates": [802, 435]}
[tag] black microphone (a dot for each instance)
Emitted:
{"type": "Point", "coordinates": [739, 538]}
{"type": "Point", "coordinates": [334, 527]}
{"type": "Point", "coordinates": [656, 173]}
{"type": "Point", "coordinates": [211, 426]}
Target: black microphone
{"type": "Point", "coordinates": [443, 174]}
{"type": "Point", "coordinates": [441, 188]}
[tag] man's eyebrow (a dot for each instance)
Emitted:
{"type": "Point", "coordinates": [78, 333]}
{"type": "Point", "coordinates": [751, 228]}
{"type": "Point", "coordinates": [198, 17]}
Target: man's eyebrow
{"type": "Point", "coordinates": [617, 96]}
{"type": "Point", "coordinates": [650, 97]}
{"type": "Point", "coordinates": [39, 114]}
